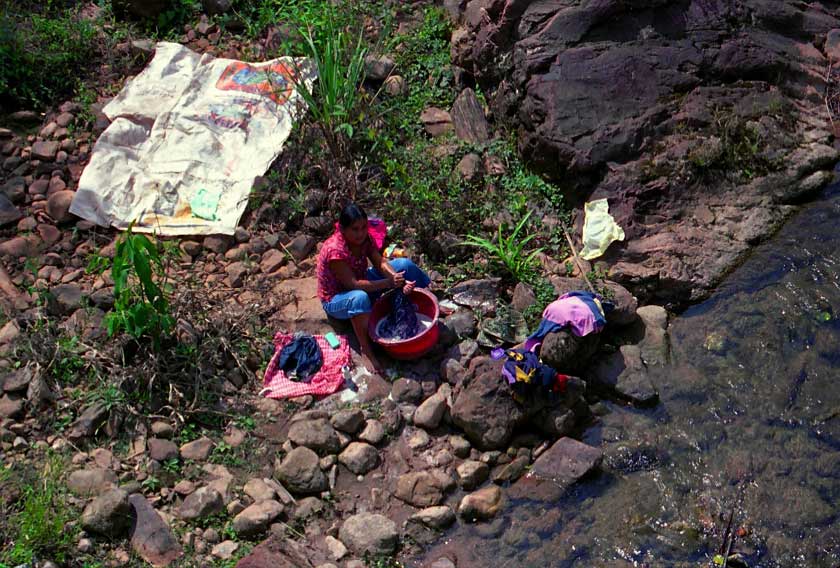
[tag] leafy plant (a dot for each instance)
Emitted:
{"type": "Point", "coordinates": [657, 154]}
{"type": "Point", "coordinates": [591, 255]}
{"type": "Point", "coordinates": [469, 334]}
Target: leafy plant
{"type": "Point", "coordinates": [109, 395]}
{"type": "Point", "coordinates": [39, 50]}
{"type": "Point", "coordinates": [67, 363]}
{"type": "Point", "coordinates": [38, 528]}
{"type": "Point", "coordinates": [151, 484]}
{"type": "Point", "coordinates": [339, 60]}
{"type": "Point", "coordinates": [510, 251]}
{"type": "Point", "coordinates": [141, 307]}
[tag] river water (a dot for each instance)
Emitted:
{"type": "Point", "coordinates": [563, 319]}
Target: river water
{"type": "Point", "coordinates": [749, 423]}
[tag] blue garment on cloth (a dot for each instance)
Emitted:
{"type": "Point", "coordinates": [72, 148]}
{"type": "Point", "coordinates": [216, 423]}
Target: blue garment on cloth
{"type": "Point", "coordinates": [301, 358]}
{"type": "Point", "coordinates": [525, 374]}
{"type": "Point", "coordinates": [401, 323]}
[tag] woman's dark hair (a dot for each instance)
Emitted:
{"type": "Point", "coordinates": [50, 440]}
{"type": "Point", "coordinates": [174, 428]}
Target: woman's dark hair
{"type": "Point", "coordinates": [350, 214]}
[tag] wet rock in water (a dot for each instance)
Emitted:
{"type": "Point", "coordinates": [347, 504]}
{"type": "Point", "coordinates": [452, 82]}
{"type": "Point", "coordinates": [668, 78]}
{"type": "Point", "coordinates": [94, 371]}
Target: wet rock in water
{"type": "Point", "coordinates": [406, 391]}
{"type": "Point", "coordinates": [151, 537]}
{"type": "Point", "coordinates": [349, 421]}
{"type": "Point", "coordinates": [568, 353]}
{"type": "Point", "coordinates": [301, 473]}
{"type": "Point", "coordinates": [373, 433]}
{"type": "Point", "coordinates": [420, 488]}
{"type": "Point", "coordinates": [557, 469]}
{"type": "Point", "coordinates": [625, 374]}
{"type": "Point", "coordinates": [437, 122]}
{"type": "Point", "coordinates": [202, 503]}
{"type": "Point", "coordinates": [197, 450]}
{"type": "Point", "coordinates": [479, 295]}
{"type": "Point", "coordinates": [93, 417]}
{"type": "Point", "coordinates": [438, 517]}
{"type": "Point", "coordinates": [481, 505]}
{"type": "Point", "coordinates": [557, 422]}
{"type": "Point", "coordinates": [429, 414]}
{"type": "Point", "coordinates": [472, 474]}
{"type": "Point", "coordinates": [511, 472]}
{"type": "Point", "coordinates": [655, 348]}
{"type": "Point", "coordinates": [91, 482]}
{"type": "Point", "coordinates": [318, 435]}
{"type": "Point", "coordinates": [108, 515]}
{"type": "Point", "coordinates": [256, 518]}
{"type": "Point", "coordinates": [162, 450]}
{"type": "Point", "coordinates": [468, 118]}
{"type": "Point", "coordinates": [359, 457]}
{"type": "Point", "coordinates": [371, 533]}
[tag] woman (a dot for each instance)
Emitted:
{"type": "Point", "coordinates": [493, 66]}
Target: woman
{"type": "Point", "coordinates": [347, 286]}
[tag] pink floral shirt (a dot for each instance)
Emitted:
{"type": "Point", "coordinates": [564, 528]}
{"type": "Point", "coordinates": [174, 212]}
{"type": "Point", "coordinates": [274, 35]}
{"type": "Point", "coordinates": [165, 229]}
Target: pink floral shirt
{"type": "Point", "coordinates": [335, 248]}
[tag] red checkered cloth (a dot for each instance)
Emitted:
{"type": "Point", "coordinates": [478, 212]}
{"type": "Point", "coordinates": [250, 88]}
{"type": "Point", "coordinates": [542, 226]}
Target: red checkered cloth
{"type": "Point", "coordinates": [327, 380]}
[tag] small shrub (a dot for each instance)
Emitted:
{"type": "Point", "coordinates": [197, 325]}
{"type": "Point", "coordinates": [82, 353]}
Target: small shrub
{"type": "Point", "coordinates": [37, 529]}
{"type": "Point", "coordinates": [141, 307]}
{"type": "Point", "coordinates": [39, 51]}
{"type": "Point", "coordinates": [509, 252]}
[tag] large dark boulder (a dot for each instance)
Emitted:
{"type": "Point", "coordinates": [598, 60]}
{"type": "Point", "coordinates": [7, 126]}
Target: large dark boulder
{"type": "Point", "coordinates": [702, 121]}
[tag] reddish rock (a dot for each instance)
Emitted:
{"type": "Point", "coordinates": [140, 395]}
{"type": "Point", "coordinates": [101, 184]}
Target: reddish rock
{"type": "Point", "coordinates": [436, 121]}
{"type": "Point", "coordinates": [218, 243]}
{"type": "Point", "coordinates": [50, 234]}
{"type": "Point", "coordinates": [468, 118]}
{"type": "Point", "coordinates": [64, 119]}
{"type": "Point", "coordinates": [151, 537]}
{"type": "Point", "coordinates": [39, 187]}
{"type": "Point", "coordinates": [271, 261]}
{"type": "Point", "coordinates": [20, 246]}
{"type": "Point", "coordinates": [44, 150]}
{"type": "Point", "coordinates": [58, 206]}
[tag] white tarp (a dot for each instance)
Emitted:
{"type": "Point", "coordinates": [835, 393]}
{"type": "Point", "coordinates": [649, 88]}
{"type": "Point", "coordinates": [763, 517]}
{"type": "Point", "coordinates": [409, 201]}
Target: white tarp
{"type": "Point", "coordinates": [188, 136]}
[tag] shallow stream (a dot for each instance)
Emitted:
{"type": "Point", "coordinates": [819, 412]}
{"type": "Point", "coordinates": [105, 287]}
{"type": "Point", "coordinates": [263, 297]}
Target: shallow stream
{"type": "Point", "coordinates": [749, 422]}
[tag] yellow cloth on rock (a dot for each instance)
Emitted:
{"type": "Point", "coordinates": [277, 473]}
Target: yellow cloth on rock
{"type": "Point", "coordinates": [599, 229]}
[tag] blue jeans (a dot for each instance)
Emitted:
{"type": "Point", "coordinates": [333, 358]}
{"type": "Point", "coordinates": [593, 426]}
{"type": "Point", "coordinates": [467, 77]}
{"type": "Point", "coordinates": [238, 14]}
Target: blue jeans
{"type": "Point", "coordinates": [346, 305]}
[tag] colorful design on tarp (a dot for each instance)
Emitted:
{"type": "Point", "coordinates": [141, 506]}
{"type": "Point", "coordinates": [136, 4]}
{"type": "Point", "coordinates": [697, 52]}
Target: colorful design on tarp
{"type": "Point", "coordinates": [271, 81]}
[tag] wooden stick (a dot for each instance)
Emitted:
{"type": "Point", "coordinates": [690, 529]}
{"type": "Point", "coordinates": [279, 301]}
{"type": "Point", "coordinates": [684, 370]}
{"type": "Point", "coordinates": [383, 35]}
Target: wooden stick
{"type": "Point", "coordinates": [577, 260]}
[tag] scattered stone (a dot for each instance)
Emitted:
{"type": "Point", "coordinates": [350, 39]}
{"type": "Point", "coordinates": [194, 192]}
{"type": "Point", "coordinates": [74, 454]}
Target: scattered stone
{"type": "Point", "coordinates": [567, 352]}
{"type": "Point", "coordinates": [478, 295]}
{"type": "Point", "coordinates": [378, 68]}
{"type": "Point", "coordinates": [58, 206]}
{"type": "Point", "coordinates": [437, 122]}
{"type": "Point", "coordinates": [470, 168]}
{"type": "Point", "coordinates": [11, 406]}
{"type": "Point", "coordinates": [216, 7]}
{"type": "Point", "coordinates": [91, 482]}
{"type": "Point", "coordinates": [162, 450]}
{"type": "Point", "coordinates": [256, 518]}
{"type": "Point", "coordinates": [359, 457]}
{"type": "Point", "coordinates": [218, 243]}
{"type": "Point", "coordinates": [151, 537]}
{"type": "Point", "coordinates": [406, 391]}
{"type": "Point", "coordinates": [301, 246]}
{"type": "Point", "coordinates": [15, 189]}
{"type": "Point", "coordinates": [85, 546]}
{"type": "Point", "coordinates": [44, 150]}
{"type": "Point", "coordinates": [468, 118]}
{"type": "Point", "coordinates": [419, 488]}
{"type": "Point", "coordinates": [371, 533]}
{"type": "Point", "coordinates": [429, 414]}
{"type": "Point", "coordinates": [460, 446]}
{"type": "Point", "coordinates": [225, 550]}
{"type": "Point", "coordinates": [271, 261]}
{"type": "Point", "coordinates": [523, 297]}
{"type": "Point", "coordinates": [438, 517]}
{"type": "Point", "coordinates": [20, 246]}
{"type": "Point", "coordinates": [86, 425]}
{"type": "Point", "coordinates": [318, 435]}
{"type": "Point", "coordinates": [197, 450]}
{"type": "Point", "coordinates": [419, 440]}
{"type": "Point", "coordinates": [349, 421]}
{"type": "Point", "coordinates": [259, 490]}
{"type": "Point", "coordinates": [396, 85]}
{"type": "Point", "coordinates": [184, 487]}
{"type": "Point", "coordinates": [481, 505]}
{"type": "Point", "coordinates": [335, 547]}
{"type": "Point", "coordinates": [8, 212]}
{"type": "Point", "coordinates": [108, 515]}
{"type": "Point", "coordinates": [236, 273]}
{"type": "Point", "coordinates": [309, 507]}
{"type": "Point", "coordinates": [373, 433]}
{"type": "Point", "coordinates": [235, 507]}
{"type": "Point", "coordinates": [64, 299]}
{"type": "Point", "coordinates": [200, 504]}
{"type": "Point", "coordinates": [472, 474]}
{"type": "Point", "coordinates": [301, 473]}
{"type": "Point", "coordinates": [462, 322]}
{"type": "Point", "coordinates": [162, 429]}
{"type": "Point", "coordinates": [624, 373]}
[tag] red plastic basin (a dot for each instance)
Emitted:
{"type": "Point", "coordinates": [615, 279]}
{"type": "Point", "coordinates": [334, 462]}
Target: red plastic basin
{"type": "Point", "coordinates": [418, 345]}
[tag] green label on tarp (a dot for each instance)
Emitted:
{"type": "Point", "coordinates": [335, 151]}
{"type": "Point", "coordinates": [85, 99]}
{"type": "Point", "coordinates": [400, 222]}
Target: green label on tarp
{"type": "Point", "coordinates": [205, 203]}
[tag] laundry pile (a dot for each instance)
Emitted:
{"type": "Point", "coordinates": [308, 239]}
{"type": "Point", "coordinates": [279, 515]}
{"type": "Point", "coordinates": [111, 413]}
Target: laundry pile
{"type": "Point", "coordinates": [305, 364]}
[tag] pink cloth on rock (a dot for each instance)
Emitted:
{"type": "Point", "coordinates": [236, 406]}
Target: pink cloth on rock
{"type": "Point", "coordinates": [327, 380]}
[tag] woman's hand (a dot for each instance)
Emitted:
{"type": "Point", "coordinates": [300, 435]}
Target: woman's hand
{"type": "Point", "coordinates": [397, 280]}
{"type": "Point", "coordinates": [409, 287]}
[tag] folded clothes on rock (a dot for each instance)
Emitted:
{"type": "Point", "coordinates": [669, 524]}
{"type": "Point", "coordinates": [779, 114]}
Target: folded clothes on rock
{"type": "Point", "coordinates": [580, 312]}
{"type": "Point", "coordinates": [327, 380]}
